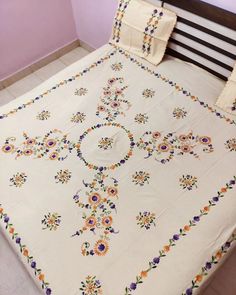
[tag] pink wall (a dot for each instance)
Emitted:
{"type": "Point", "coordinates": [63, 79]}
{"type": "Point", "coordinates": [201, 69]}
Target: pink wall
{"type": "Point", "coordinates": [226, 4]}
{"type": "Point", "coordinates": [31, 29]}
{"type": "Point", "coordinates": [93, 20]}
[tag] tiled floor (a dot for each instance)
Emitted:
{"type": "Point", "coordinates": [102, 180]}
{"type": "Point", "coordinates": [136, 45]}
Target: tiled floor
{"type": "Point", "coordinates": [29, 82]}
{"type": "Point", "coordinates": [224, 282]}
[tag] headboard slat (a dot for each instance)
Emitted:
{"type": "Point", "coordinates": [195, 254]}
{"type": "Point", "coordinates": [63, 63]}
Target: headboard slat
{"type": "Point", "coordinates": [204, 35]}
{"type": "Point", "coordinates": [181, 56]}
{"type": "Point", "coordinates": [201, 41]}
{"type": "Point", "coordinates": [215, 61]}
{"type": "Point", "coordinates": [207, 11]}
{"type": "Point", "coordinates": [206, 30]}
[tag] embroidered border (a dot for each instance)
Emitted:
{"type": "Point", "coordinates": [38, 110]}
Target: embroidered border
{"type": "Point", "coordinates": [24, 251]}
{"type": "Point", "coordinates": [176, 237]}
{"type": "Point", "coordinates": [233, 108]}
{"type": "Point", "coordinates": [62, 83]}
{"type": "Point", "coordinates": [150, 30]}
{"type": "Point", "coordinates": [173, 84]}
{"type": "Point", "coordinates": [215, 259]}
{"type": "Point", "coordinates": [118, 19]}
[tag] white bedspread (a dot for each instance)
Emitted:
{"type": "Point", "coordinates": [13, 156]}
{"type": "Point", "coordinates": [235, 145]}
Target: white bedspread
{"type": "Point", "coordinates": [118, 178]}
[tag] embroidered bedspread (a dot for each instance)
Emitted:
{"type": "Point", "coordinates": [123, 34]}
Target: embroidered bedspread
{"type": "Point", "coordinates": [118, 177]}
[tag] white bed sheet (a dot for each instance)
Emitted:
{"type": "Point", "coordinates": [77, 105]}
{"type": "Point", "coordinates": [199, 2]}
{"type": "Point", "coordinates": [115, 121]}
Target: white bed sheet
{"type": "Point", "coordinates": [13, 277]}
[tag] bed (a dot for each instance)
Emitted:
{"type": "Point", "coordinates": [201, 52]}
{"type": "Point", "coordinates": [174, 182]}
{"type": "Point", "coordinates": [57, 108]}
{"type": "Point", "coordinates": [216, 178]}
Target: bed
{"type": "Point", "coordinates": [119, 178]}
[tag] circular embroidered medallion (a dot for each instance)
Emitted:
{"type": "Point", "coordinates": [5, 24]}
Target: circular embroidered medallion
{"type": "Point", "coordinates": [86, 149]}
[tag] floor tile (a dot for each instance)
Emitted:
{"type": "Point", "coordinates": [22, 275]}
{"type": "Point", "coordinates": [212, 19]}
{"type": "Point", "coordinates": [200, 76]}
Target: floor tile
{"type": "Point", "coordinates": [49, 70]}
{"type": "Point", "coordinates": [82, 52]}
{"type": "Point", "coordinates": [24, 85]}
{"type": "Point", "coordinates": [73, 56]}
{"type": "Point", "coordinates": [5, 97]}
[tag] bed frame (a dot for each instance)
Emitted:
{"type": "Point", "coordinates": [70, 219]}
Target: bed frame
{"type": "Point", "coordinates": [205, 35]}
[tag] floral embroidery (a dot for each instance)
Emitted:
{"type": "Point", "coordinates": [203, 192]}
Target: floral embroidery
{"type": "Point", "coordinates": [188, 182]}
{"type": "Point", "coordinates": [112, 166]}
{"type": "Point", "coordinates": [99, 202]}
{"type": "Point", "coordinates": [63, 176]}
{"type": "Point", "coordinates": [231, 144]}
{"type": "Point", "coordinates": [117, 66]}
{"type": "Point", "coordinates": [112, 103]}
{"type": "Point", "coordinates": [18, 179]}
{"type": "Point", "coordinates": [215, 259]}
{"type": "Point", "coordinates": [164, 148]}
{"type": "Point", "coordinates": [148, 93]}
{"type": "Point", "coordinates": [60, 84]}
{"type": "Point", "coordinates": [105, 143]}
{"type": "Point", "coordinates": [173, 84]}
{"type": "Point", "coordinates": [78, 117]}
{"type": "Point", "coordinates": [233, 108]}
{"type": "Point", "coordinates": [54, 145]}
{"type": "Point", "coordinates": [51, 221]}
{"type": "Point", "coordinates": [176, 237]}
{"type": "Point", "coordinates": [118, 19]}
{"type": "Point", "coordinates": [141, 118]}
{"type": "Point", "coordinates": [44, 115]}
{"type": "Point", "coordinates": [179, 113]}
{"type": "Point", "coordinates": [141, 177]}
{"type": "Point", "coordinates": [150, 30]}
{"type": "Point", "coordinates": [81, 91]}
{"type": "Point", "coordinates": [24, 251]}
{"type": "Point", "coordinates": [146, 219]}
{"type": "Point", "coordinates": [91, 286]}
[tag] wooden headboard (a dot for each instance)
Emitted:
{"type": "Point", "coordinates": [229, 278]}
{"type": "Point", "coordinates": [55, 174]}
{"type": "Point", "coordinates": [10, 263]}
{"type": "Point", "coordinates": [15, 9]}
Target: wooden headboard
{"type": "Point", "coordinates": [204, 35]}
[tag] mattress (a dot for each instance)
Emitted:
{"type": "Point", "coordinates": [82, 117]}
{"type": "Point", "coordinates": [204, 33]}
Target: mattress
{"type": "Point", "coordinates": [118, 178]}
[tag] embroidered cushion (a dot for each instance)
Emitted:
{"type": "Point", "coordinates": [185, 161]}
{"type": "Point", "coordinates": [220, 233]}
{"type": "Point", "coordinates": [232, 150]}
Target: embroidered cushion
{"type": "Point", "coordinates": [227, 98]}
{"type": "Point", "coordinates": [143, 29]}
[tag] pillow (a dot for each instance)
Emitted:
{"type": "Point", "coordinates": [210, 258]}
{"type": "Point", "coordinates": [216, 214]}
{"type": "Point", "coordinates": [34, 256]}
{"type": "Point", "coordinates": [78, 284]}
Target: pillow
{"type": "Point", "coordinates": [227, 99]}
{"type": "Point", "coordinates": [143, 29]}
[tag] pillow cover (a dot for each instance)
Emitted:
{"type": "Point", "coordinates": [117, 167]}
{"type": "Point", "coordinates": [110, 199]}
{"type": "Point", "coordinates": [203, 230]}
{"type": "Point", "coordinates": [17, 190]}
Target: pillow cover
{"type": "Point", "coordinates": [143, 29]}
{"type": "Point", "coordinates": [227, 99]}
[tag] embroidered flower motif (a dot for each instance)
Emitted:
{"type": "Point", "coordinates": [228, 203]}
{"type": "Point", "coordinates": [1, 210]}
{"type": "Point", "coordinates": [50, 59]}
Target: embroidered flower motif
{"type": "Point", "coordinates": [81, 91]}
{"type": "Point", "coordinates": [101, 247]}
{"type": "Point", "coordinates": [98, 203]}
{"type": "Point", "coordinates": [94, 199]}
{"type": "Point", "coordinates": [233, 108]}
{"type": "Point", "coordinates": [182, 232]}
{"type": "Point", "coordinates": [141, 118]}
{"type": "Point", "coordinates": [231, 144]}
{"type": "Point", "coordinates": [141, 177]}
{"type": "Point", "coordinates": [63, 176]}
{"type": "Point", "coordinates": [44, 115]}
{"type": "Point", "coordinates": [188, 182]}
{"type": "Point", "coordinates": [78, 117]}
{"type": "Point", "coordinates": [105, 143]}
{"type": "Point", "coordinates": [179, 113]}
{"type": "Point", "coordinates": [117, 66]}
{"type": "Point", "coordinates": [146, 219]}
{"type": "Point", "coordinates": [149, 31]}
{"type": "Point", "coordinates": [91, 286]}
{"type": "Point", "coordinates": [8, 148]}
{"type": "Point", "coordinates": [54, 146]}
{"type": "Point", "coordinates": [215, 259]}
{"type": "Point", "coordinates": [148, 93]}
{"type": "Point", "coordinates": [51, 221]}
{"type": "Point", "coordinates": [165, 148]}
{"type": "Point", "coordinates": [112, 103]}
{"type": "Point", "coordinates": [18, 179]}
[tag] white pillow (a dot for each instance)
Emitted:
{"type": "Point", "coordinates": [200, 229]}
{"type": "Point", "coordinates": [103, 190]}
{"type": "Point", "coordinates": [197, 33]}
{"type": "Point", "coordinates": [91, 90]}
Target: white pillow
{"type": "Point", "coordinates": [227, 99]}
{"type": "Point", "coordinates": [143, 29]}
